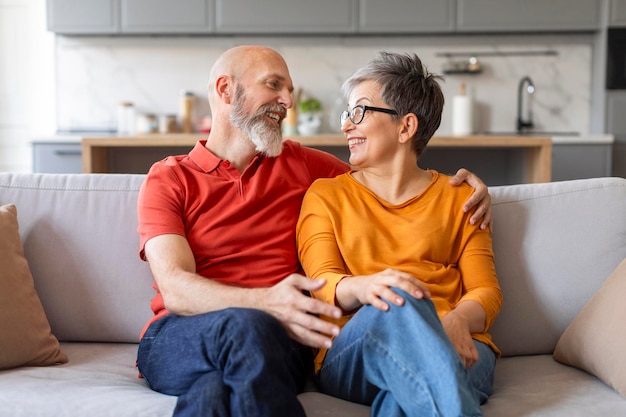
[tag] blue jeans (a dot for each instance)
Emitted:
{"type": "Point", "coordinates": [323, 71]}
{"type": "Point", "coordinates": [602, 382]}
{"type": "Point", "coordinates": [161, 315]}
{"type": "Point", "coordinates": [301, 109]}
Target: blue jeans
{"type": "Point", "coordinates": [402, 363]}
{"type": "Point", "coordinates": [233, 362]}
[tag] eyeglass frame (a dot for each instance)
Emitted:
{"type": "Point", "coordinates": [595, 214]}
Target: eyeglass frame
{"type": "Point", "coordinates": [344, 115]}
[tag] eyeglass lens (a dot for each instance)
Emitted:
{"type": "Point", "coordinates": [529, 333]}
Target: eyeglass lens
{"type": "Point", "coordinates": [355, 115]}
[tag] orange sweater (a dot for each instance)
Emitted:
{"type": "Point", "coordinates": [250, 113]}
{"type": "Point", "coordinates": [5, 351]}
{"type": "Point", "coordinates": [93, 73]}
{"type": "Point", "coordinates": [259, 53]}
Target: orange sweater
{"type": "Point", "coordinates": [344, 229]}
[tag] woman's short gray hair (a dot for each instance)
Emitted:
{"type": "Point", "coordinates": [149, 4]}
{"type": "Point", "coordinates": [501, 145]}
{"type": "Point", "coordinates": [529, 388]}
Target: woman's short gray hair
{"type": "Point", "coordinates": [406, 86]}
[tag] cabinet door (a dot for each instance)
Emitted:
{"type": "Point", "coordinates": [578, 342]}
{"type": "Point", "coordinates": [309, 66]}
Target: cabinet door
{"type": "Point", "coordinates": [286, 16]}
{"type": "Point", "coordinates": [166, 16]}
{"type": "Point", "coordinates": [527, 15]}
{"type": "Point", "coordinates": [574, 161]}
{"type": "Point", "coordinates": [617, 13]}
{"type": "Point", "coordinates": [615, 120]}
{"type": "Point", "coordinates": [83, 17]}
{"type": "Point", "coordinates": [406, 16]}
{"type": "Point", "coordinates": [57, 158]}
{"type": "Point", "coordinates": [616, 124]}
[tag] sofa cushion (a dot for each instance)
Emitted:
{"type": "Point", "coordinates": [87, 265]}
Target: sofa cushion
{"type": "Point", "coordinates": [554, 244]}
{"type": "Point", "coordinates": [80, 240]}
{"type": "Point", "coordinates": [595, 341]}
{"type": "Point", "coordinates": [25, 335]}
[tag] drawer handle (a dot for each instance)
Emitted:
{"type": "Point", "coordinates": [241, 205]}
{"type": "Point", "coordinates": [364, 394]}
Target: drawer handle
{"type": "Point", "coordinates": [68, 153]}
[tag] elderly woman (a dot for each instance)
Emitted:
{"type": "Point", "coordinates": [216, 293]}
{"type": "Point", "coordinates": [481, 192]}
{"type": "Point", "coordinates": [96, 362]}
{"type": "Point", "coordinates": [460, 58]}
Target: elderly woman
{"type": "Point", "coordinates": [414, 278]}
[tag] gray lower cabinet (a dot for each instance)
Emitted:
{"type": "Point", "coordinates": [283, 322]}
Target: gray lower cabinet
{"type": "Point", "coordinates": [286, 16]}
{"type": "Point", "coordinates": [57, 158]}
{"type": "Point", "coordinates": [527, 15]}
{"type": "Point", "coordinates": [577, 161]}
{"type": "Point", "coordinates": [615, 114]}
{"type": "Point", "coordinates": [616, 125]}
{"type": "Point", "coordinates": [406, 16]}
{"type": "Point", "coordinates": [617, 13]}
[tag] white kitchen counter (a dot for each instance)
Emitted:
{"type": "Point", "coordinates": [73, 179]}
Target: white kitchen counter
{"type": "Point", "coordinates": [587, 139]}
{"type": "Point", "coordinates": [557, 140]}
{"type": "Point", "coordinates": [69, 137]}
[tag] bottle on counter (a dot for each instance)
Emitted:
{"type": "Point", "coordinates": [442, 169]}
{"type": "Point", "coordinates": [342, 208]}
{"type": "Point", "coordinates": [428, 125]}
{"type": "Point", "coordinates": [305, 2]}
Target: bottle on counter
{"type": "Point", "coordinates": [290, 124]}
{"type": "Point", "coordinates": [125, 118]}
{"type": "Point", "coordinates": [462, 113]}
{"type": "Point", "coordinates": [148, 123]}
{"type": "Point", "coordinates": [168, 123]}
{"type": "Point", "coordinates": [187, 101]}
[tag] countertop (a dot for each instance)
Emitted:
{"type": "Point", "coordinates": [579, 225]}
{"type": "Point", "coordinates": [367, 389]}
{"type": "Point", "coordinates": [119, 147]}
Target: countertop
{"type": "Point", "coordinates": [320, 140]}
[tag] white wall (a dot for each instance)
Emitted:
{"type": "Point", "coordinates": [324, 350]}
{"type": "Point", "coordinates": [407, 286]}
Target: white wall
{"type": "Point", "coordinates": [27, 81]}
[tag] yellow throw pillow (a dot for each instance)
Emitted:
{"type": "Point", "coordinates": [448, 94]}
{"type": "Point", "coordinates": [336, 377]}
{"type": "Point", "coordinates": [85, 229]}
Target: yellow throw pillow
{"type": "Point", "coordinates": [595, 341]}
{"type": "Point", "coordinates": [25, 335]}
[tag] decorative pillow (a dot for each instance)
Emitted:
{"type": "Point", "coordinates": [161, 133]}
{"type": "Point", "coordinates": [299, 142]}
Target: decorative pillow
{"type": "Point", "coordinates": [25, 335]}
{"type": "Point", "coordinates": [595, 341]}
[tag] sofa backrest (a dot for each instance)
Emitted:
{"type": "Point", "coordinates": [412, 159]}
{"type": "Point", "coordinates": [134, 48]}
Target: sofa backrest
{"type": "Point", "coordinates": [554, 245]}
{"type": "Point", "coordinates": [79, 236]}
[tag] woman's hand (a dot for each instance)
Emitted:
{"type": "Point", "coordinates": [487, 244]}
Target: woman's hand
{"type": "Point", "coordinates": [468, 317]}
{"type": "Point", "coordinates": [457, 329]}
{"type": "Point", "coordinates": [376, 289]}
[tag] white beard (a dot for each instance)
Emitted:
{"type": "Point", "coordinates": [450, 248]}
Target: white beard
{"type": "Point", "coordinates": [266, 137]}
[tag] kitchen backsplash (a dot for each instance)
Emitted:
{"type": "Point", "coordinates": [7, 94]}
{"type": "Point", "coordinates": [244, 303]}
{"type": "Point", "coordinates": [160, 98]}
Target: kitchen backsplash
{"type": "Point", "coordinates": [94, 74]}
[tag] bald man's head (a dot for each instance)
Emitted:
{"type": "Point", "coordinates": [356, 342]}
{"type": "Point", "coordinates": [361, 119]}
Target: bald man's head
{"type": "Point", "coordinates": [242, 61]}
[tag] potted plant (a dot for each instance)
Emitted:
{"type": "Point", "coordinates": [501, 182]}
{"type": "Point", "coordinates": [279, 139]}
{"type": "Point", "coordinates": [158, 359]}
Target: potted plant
{"type": "Point", "coordinates": [309, 116]}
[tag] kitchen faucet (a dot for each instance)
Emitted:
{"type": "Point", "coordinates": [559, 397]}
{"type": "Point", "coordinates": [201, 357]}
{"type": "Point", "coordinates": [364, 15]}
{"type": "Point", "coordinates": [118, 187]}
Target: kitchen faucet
{"type": "Point", "coordinates": [523, 125]}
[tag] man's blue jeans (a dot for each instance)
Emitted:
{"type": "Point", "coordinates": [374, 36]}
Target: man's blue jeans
{"type": "Point", "coordinates": [402, 364]}
{"type": "Point", "coordinates": [233, 362]}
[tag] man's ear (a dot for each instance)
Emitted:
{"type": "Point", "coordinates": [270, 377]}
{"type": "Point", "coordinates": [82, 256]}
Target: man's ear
{"type": "Point", "coordinates": [408, 127]}
{"type": "Point", "coordinates": [223, 88]}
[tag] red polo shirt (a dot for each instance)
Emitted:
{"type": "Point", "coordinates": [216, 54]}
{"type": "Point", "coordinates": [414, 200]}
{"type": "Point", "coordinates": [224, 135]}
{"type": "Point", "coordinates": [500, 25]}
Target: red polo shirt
{"type": "Point", "coordinates": [240, 226]}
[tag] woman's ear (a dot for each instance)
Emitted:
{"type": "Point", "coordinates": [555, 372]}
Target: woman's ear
{"type": "Point", "coordinates": [408, 128]}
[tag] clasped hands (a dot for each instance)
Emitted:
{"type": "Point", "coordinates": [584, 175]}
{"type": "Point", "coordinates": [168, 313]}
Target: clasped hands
{"type": "Point", "coordinates": [299, 313]}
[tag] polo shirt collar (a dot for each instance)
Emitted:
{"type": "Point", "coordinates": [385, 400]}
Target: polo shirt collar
{"type": "Point", "coordinates": [206, 159]}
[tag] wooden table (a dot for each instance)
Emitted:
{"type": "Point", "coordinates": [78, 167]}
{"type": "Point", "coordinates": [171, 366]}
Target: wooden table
{"type": "Point", "coordinates": [538, 150]}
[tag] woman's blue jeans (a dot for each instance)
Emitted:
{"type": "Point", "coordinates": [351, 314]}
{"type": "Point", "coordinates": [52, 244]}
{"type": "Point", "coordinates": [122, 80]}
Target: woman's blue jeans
{"type": "Point", "coordinates": [233, 362]}
{"type": "Point", "coordinates": [402, 364]}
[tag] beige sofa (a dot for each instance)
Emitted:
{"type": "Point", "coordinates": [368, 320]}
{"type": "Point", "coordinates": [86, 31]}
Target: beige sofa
{"type": "Point", "coordinates": [555, 244]}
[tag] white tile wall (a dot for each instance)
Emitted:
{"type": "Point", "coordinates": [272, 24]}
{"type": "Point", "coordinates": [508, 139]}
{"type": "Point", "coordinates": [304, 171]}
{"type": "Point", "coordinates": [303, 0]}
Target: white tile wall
{"type": "Point", "coordinates": [94, 74]}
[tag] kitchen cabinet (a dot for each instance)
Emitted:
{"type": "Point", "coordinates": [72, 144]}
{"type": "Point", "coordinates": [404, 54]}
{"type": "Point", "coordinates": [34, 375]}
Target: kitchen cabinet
{"type": "Point", "coordinates": [286, 16]}
{"type": "Point", "coordinates": [83, 17]}
{"type": "Point", "coordinates": [527, 15]}
{"type": "Point", "coordinates": [406, 16]}
{"type": "Point", "coordinates": [617, 13]}
{"type": "Point", "coordinates": [616, 109]}
{"type": "Point", "coordinates": [166, 16]}
{"type": "Point", "coordinates": [57, 158]}
{"type": "Point", "coordinates": [129, 16]}
{"type": "Point", "coordinates": [584, 160]}
{"type": "Point", "coordinates": [120, 17]}
{"type": "Point", "coordinates": [616, 125]}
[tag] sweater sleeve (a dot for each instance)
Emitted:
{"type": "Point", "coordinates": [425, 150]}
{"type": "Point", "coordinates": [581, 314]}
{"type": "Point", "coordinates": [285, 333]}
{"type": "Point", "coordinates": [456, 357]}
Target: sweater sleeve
{"type": "Point", "coordinates": [317, 245]}
{"type": "Point", "coordinates": [478, 274]}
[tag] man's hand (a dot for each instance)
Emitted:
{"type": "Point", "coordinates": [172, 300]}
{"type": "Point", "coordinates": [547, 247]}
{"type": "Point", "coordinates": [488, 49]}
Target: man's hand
{"type": "Point", "coordinates": [479, 198]}
{"type": "Point", "coordinates": [298, 312]}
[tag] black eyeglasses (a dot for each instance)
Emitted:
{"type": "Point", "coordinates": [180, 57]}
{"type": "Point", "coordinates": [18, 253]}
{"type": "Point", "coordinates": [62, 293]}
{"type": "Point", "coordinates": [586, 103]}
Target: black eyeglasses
{"type": "Point", "coordinates": [357, 113]}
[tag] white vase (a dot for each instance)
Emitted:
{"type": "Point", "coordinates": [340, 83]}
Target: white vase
{"type": "Point", "coordinates": [309, 123]}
